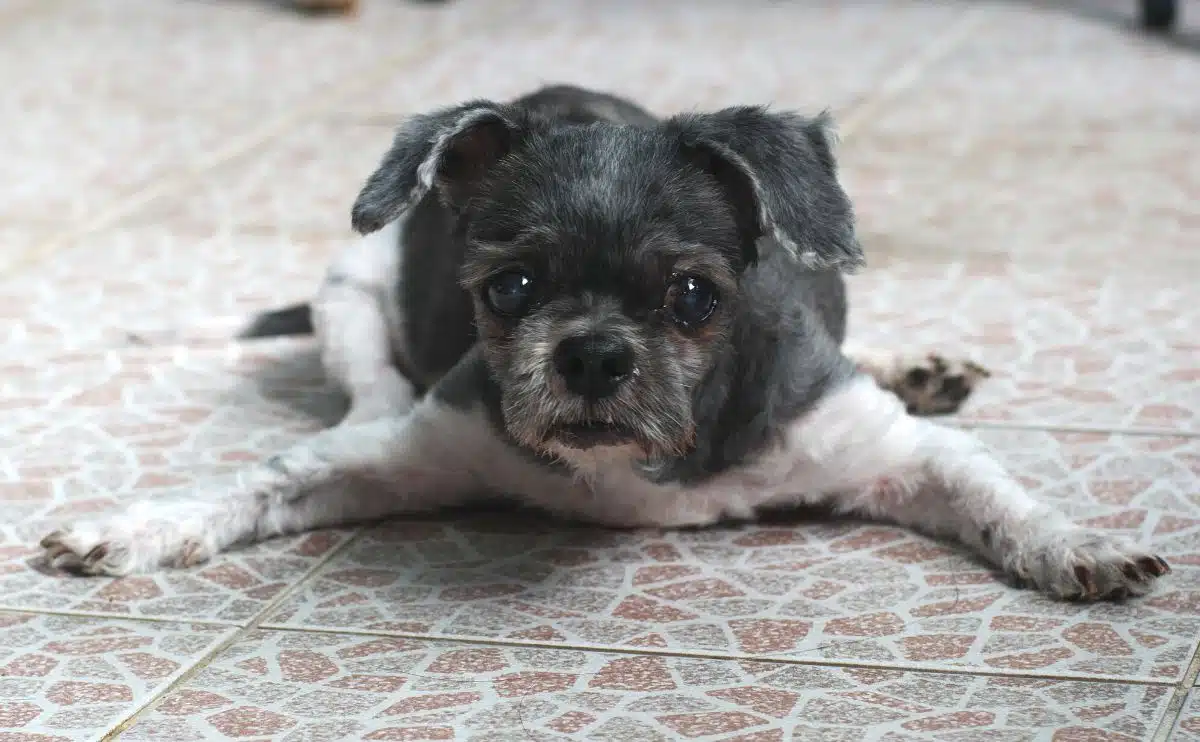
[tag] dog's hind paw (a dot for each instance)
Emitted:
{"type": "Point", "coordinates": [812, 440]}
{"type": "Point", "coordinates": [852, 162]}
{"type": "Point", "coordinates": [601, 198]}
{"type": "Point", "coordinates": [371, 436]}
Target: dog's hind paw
{"type": "Point", "coordinates": [927, 383]}
{"type": "Point", "coordinates": [934, 385]}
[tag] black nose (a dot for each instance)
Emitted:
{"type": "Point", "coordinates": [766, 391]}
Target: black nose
{"type": "Point", "coordinates": [593, 366]}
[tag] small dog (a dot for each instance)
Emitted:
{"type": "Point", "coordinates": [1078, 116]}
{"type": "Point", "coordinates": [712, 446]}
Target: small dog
{"type": "Point", "coordinates": [633, 321]}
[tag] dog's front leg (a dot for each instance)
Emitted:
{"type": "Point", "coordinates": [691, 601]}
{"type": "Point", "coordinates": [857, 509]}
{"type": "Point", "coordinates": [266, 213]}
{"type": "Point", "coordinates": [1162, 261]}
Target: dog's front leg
{"type": "Point", "coordinates": [882, 462]}
{"type": "Point", "coordinates": [350, 473]}
{"type": "Point", "coordinates": [356, 316]}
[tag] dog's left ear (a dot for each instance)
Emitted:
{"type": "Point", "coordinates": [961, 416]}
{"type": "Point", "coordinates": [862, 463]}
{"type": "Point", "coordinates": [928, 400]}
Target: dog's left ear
{"type": "Point", "coordinates": [450, 150]}
{"type": "Point", "coordinates": [778, 170]}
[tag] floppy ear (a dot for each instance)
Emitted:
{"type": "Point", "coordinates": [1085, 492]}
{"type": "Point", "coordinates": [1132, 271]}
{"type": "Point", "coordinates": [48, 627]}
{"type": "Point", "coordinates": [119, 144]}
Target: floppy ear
{"type": "Point", "coordinates": [450, 150]}
{"type": "Point", "coordinates": [779, 171]}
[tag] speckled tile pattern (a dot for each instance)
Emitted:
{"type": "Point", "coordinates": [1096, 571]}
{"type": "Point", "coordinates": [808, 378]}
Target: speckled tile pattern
{"type": "Point", "coordinates": [70, 678]}
{"type": "Point", "coordinates": [142, 285]}
{"type": "Point", "coordinates": [1028, 195]}
{"type": "Point", "coordinates": [276, 684]}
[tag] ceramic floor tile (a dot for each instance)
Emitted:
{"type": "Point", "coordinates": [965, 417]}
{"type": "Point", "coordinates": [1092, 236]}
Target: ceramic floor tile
{"type": "Point", "coordinates": [127, 286]}
{"type": "Point", "coordinates": [1187, 727]}
{"type": "Point", "coordinates": [839, 591]}
{"type": "Point", "coordinates": [161, 56]}
{"type": "Point", "coordinates": [1065, 138]}
{"type": "Point", "coordinates": [1110, 350]}
{"type": "Point", "coordinates": [103, 97]}
{"type": "Point", "coordinates": [85, 433]}
{"type": "Point", "coordinates": [326, 163]}
{"type": "Point", "coordinates": [789, 54]}
{"type": "Point", "coordinates": [74, 166]}
{"type": "Point", "coordinates": [18, 240]}
{"type": "Point", "coordinates": [342, 687]}
{"type": "Point", "coordinates": [67, 679]}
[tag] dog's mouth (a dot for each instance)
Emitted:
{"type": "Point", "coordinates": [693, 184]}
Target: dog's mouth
{"type": "Point", "coordinates": [585, 435]}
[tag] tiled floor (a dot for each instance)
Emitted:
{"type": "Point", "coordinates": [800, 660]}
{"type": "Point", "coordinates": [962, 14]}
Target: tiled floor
{"type": "Point", "coordinates": [1028, 181]}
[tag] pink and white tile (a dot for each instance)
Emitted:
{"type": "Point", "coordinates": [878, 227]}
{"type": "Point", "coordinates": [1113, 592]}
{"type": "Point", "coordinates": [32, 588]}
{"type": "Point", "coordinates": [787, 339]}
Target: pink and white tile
{"type": "Point", "coordinates": [719, 53]}
{"type": "Point", "coordinates": [154, 285]}
{"type": "Point", "coordinates": [812, 589]}
{"type": "Point", "coordinates": [136, 91]}
{"type": "Point", "coordinates": [1113, 351]}
{"type": "Point", "coordinates": [1187, 726]}
{"type": "Point", "coordinates": [86, 433]}
{"type": "Point", "coordinates": [1053, 135]}
{"type": "Point", "coordinates": [287, 685]}
{"type": "Point", "coordinates": [301, 186]}
{"type": "Point", "coordinates": [70, 679]}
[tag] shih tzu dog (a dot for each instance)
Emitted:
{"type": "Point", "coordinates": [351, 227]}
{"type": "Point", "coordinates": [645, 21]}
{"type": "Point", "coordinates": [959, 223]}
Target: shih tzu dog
{"type": "Point", "coordinates": [628, 320]}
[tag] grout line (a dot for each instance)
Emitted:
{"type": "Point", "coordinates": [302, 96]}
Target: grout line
{"type": "Point", "coordinates": [968, 421]}
{"type": "Point", "coordinates": [321, 100]}
{"type": "Point", "coordinates": [26, 611]}
{"type": "Point", "coordinates": [716, 656]}
{"type": "Point", "coordinates": [1170, 715]}
{"type": "Point", "coordinates": [909, 73]}
{"type": "Point", "coordinates": [234, 637]}
{"type": "Point", "coordinates": [1178, 699]}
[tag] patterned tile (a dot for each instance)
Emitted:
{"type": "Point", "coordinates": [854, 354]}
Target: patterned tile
{"type": "Point", "coordinates": [1066, 139]}
{"type": "Point", "coordinates": [749, 52]}
{"type": "Point", "coordinates": [85, 433]}
{"type": "Point", "coordinates": [341, 687]}
{"type": "Point", "coordinates": [327, 162]}
{"type": "Point", "coordinates": [1187, 727]}
{"type": "Point", "coordinates": [838, 591]}
{"type": "Point", "coordinates": [19, 240]}
{"type": "Point", "coordinates": [65, 679]}
{"type": "Point", "coordinates": [152, 88]}
{"type": "Point", "coordinates": [1114, 351]}
{"type": "Point", "coordinates": [301, 185]}
{"type": "Point", "coordinates": [151, 282]}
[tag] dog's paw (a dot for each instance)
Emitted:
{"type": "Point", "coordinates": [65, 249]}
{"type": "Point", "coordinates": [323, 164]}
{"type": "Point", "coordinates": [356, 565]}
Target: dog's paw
{"type": "Point", "coordinates": [1073, 563]}
{"type": "Point", "coordinates": [933, 385]}
{"type": "Point", "coordinates": [120, 546]}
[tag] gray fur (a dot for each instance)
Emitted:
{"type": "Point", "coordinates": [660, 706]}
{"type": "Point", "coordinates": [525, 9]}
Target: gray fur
{"type": "Point", "coordinates": [600, 196]}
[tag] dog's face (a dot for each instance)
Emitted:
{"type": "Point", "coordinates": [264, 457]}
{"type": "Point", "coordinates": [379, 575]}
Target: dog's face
{"type": "Point", "coordinates": [605, 260]}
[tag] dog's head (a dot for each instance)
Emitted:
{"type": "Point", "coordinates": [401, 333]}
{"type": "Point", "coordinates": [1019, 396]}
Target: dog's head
{"type": "Point", "coordinates": [605, 260]}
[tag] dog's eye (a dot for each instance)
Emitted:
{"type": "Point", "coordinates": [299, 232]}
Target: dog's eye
{"type": "Point", "coordinates": [691, 300]}
{"type": "Point", "coordinates": [510, 293]}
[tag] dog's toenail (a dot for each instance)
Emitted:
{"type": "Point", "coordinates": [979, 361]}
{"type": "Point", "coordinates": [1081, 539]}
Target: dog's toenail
{"type": "Point", "coordinates": [1084, 575]}
{"type": "Point", "coordinates": [1153, 566]}
{"type": "Point", "coordinates": [917, 377]}
{"type": "Point", "coordinates": [1130, 570]}
{"type": "Point", "coordinates": [97, 553]}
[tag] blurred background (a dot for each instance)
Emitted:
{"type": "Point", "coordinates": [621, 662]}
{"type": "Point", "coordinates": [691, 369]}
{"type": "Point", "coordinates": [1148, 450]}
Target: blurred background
{"type": "Point", "coordinates": [1027, 182]}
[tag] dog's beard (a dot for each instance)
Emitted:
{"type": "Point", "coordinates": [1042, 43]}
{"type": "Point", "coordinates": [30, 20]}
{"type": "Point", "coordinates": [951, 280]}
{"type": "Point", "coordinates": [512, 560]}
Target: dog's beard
{"type": "Point", "coordinates": [653, 421]}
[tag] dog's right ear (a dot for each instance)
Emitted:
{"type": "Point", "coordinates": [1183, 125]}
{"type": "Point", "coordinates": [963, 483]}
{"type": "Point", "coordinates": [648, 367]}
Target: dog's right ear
{"type": "Point", "coordinates": [450, 150]}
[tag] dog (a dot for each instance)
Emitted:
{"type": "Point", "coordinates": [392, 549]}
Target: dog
{"type": "Point", "coordinates": [634, 321]}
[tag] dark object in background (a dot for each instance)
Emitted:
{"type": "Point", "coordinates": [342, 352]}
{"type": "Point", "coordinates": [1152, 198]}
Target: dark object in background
{"type": "Point", "coordinates": [343, 7]}
{"type": "Point", "coordinates": [1159, 15]}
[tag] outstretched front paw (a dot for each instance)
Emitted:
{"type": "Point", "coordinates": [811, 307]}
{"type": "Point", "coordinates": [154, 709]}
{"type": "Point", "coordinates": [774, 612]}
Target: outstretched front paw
{"type": "Point", "coordinates": [1074, 563]}
{"type": "Point", "coordinates": [121, 545]}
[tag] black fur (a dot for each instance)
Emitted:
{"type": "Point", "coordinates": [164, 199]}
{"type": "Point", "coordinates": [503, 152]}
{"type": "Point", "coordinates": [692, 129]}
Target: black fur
{"type": "Point", "coordinates": [599, 201]}
{"type": "Point", "coordinates": [293, 320]}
